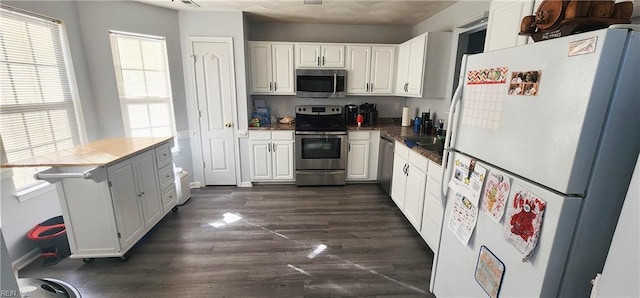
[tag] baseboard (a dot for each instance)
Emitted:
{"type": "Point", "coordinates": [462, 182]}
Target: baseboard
{"type": "Point", "coordinates": [245, 184]}
{"type": "Point", "coordinates": [26, 259]}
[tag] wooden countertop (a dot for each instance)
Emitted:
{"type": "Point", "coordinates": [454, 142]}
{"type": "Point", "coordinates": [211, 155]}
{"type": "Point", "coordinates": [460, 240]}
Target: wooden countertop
{"type": "Point", "coordinates": [98, 153]}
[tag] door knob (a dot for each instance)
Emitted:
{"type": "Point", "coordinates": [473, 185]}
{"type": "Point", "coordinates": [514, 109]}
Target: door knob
{"type": "Point", "coordinates": [228, 124]}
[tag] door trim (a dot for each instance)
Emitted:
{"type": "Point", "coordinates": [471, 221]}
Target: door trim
{"type": "Point", "coordinates": [192, 108]}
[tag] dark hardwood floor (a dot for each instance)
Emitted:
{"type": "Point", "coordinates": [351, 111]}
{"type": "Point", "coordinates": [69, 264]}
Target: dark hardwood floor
{"type": "Point", "coordinates": [266, 241]}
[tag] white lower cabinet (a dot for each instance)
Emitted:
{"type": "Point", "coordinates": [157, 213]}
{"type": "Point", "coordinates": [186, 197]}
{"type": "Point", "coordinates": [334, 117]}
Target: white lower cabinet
{"type": "Point", "coordinates": [409, 182]}
{"type": "Point", "coordinates": [107, 212]}
{"type": "Point", "coordinates": [362, 155]}
{"type": "Point", "coordinates": [433, 207]}
{"type": "Point", "coordinates": [272, 155]}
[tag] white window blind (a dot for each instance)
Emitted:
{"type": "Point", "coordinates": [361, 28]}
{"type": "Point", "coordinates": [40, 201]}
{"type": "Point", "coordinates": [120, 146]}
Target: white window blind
{"type": "Point", "coordinates": [144, 86]}
{"type": "Point", "coordinates": [37, 107]}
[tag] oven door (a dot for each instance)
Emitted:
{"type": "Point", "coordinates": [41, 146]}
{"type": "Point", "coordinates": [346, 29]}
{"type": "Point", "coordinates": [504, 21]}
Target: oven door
{"type": "Point", "coordinates": [321, 150]}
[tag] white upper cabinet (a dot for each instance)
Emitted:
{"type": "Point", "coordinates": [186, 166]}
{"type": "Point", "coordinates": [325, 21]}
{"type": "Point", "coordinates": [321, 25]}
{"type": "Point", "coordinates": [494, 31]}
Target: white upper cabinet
{"type": "Point", "coordinates": [504, 23]}
{"type": "Point", "coordinates": [272, 70]}
{"type": "Point", "coordinates": [416, 65]}
{"type": "Point", "coordinates": [314, 55]}
{"type": "Point", "coordinates": [370, 69]}
{"type": "Point", "coordinates": [403, 68]}
{"type": "Point", "coordinates": [423, 65]}
{"type": "Point", "coordinates": [382, 69]}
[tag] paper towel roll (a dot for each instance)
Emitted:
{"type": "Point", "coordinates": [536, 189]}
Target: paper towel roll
{"type": "Point", "coordinates": [406, 118]}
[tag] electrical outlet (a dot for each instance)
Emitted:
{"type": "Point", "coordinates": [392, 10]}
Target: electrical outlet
{"type": "Point", "coordinates": [397, 105]}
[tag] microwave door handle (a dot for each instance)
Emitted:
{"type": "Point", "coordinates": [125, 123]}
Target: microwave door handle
{"type": "Point", "coordinates": [335, 82]}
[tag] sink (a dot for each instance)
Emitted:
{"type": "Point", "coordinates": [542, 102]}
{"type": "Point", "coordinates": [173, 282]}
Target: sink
{"type": "Point", "coordinates": [430, 143]}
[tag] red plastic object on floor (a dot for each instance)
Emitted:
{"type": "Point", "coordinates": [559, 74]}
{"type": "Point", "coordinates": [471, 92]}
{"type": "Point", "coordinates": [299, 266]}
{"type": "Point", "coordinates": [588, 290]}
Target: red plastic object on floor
{"type": "Point", "coordinates": [51, 237]}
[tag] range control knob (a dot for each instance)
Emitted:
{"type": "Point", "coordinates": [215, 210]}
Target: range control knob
{"type": "Point", "coordinates": [304, 109]}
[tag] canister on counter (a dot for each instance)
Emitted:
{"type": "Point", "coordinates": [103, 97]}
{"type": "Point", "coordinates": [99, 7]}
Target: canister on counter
{"type": "Point", "coordinates": [417, 125]}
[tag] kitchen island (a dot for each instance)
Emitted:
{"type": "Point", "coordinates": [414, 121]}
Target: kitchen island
{"type": "Point", "coordinates": [111, 191]}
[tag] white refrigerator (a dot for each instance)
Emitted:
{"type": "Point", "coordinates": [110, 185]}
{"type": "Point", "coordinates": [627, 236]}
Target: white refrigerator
{"type": "Point", "coordinates": [561, 120]}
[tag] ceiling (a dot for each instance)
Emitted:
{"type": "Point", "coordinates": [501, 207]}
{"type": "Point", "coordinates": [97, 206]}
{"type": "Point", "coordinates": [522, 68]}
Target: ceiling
{"type": "Point", "coordinates": [367, 12]}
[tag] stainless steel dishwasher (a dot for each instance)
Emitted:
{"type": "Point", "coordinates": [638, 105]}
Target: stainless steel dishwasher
{"type": "Point", "coordinates": [385, 162]}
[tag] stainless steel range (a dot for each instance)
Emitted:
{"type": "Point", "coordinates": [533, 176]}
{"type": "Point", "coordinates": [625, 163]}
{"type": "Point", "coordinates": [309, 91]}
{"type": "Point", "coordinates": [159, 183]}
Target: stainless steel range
{"type": "Point", "coordinates": [321, 145]}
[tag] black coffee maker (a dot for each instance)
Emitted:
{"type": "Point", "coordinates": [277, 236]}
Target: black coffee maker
{"type": "Point", "coordinates": [369, 113]}
{"type": "Point", "coordinates": [350, 114]}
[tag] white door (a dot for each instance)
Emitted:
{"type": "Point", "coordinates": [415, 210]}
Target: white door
{"type": "Point", "coordinates": [416, 65]}
{"type": "Point", "coordinates": [414, 196]}
{"type": "Point", "coordinates": [382, 66]}
{"type": "Point", "coordinates": [504, 24]}
{"type": "Point", "coordinates": [403, 68]}
{"type": "Point", "coordinates": [399, 180]}
{"type": "Point", "coordinates": [333, 56]}
{"type": "Point", "coordinates": [358, 160]}
{"type": "Point", "coordinates": [260, 160]}
{"type": "Point", "coordinates": [261, 81]}
{"type": "Point", "coordinates": [542, 272]}
{"type": "Point", "coordinates": [215, 91]}
{"type": "Point", "coordinates": [149, 190]}
{"type": "Point", "coordinates": [307, 55]}
{"type": "Point", "coordinates": [282, 160]}
{"type": "Point", "coordinates": [358, 68]}
{"type": "Point", "coordinates": [283, 68]}
{"type": "Point", "coordinates": [126, 200]}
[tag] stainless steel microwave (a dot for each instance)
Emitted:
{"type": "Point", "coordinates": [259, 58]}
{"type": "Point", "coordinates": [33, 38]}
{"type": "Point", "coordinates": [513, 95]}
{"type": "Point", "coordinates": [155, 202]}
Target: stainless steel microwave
{"type": "Point", "coordinates": [321, 83]}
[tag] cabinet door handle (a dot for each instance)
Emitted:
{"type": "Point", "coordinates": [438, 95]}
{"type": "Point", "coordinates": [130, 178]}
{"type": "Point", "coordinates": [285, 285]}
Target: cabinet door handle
{"type": "Point", "coordinates": [168, 176]}
{"type": "Point", "coordinates": [275, 86]}
{"type": "Point", "coordinates": [370, 87]}
{"type": "Point", "coordinates": [273, 147]}
{"type": "Point", "coordinates": [367, 87]}
{"type": "Point", "coordinates": [269, 147]}
{"type": "Point", "coordinates": [318, 60]}
{"type": "Point", "coordinates": [349, 148]}
{"type": "Point", "coordinates": [322, 60]}
{"type": "Point", "coordinates": [270, 86]}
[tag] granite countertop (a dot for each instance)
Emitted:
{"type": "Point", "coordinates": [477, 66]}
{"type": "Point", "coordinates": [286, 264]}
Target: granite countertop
{"type": "Point", "coordinates": [275, 126]}
{"type": "Point", "coordinates": [388, 126]}
{"type": "Point", "coordinates": [98, 153]}
{"type": "Point", "coordinates": [398, 133]}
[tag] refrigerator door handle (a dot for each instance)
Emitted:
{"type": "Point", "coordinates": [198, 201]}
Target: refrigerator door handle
{"type": "Point", "coordinates": [455, 100]}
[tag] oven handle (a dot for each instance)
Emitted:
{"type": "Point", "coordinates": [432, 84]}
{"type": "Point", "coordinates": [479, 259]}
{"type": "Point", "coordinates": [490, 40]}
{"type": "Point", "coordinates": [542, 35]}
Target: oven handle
{"type": "Point", "coordinates": [320, 171]}
{"type": "Point", "coordinates": [321, 133]}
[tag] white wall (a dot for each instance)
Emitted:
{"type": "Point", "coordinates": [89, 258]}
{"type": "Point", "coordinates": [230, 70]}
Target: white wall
{"type": "Point", "coordinates": [302, 32]}
{"type": "Point", "coordinates": [445, 21]}
{"type": "Point", "coordinates": [219, 24]}
{"type": "Point", "coordinates": [66, 11]}
{"type": "Point", "coordinates": [388, 106]}
{"type": "Point", "coordinates": [97, 18]}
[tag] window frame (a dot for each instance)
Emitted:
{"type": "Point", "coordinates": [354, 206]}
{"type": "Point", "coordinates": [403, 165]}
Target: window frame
{"type": "Point", "coordinates": [75, 112]}
{"type": "Point", "coordinates": [126, 101]}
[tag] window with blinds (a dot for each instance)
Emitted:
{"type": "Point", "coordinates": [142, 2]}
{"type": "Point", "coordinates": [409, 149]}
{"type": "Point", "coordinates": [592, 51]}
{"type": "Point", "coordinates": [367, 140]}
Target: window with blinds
{"type": "Point", "coordinates": [144, 86]}
{"type": "Point", "coordinates": [37, 106]}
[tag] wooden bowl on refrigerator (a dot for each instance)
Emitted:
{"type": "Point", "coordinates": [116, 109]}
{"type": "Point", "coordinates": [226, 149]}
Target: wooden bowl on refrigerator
{"type": "Point", "coordinates": [577, 9]}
